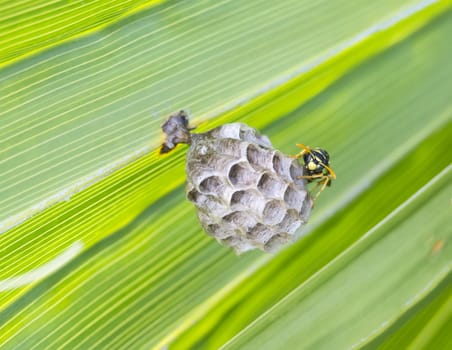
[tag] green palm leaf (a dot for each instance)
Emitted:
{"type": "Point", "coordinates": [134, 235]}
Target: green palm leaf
{"type": "Point", "coordinates": [100, 249]}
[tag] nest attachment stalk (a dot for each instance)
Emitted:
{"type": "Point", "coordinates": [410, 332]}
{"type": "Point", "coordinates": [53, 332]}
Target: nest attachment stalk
{"type": "Point", "coordinates": [177, 131]}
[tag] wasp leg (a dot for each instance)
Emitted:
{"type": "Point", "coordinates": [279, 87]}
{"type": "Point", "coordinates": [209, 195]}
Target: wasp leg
{"type": "Point", "coordinates": [305, 150]}
{"type": "Point", "coordinates": [317, 185]}
{"type": "Point", "coordinates": [310, 177]}
{"type": "Point", "coordinates": [324, 182]}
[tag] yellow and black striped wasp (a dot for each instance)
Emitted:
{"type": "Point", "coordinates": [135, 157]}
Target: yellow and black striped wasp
{"type": "Point", "coordinates": [316, 168]}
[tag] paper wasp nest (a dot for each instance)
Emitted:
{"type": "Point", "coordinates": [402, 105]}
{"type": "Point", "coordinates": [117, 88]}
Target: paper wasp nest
{"type": "Point", "coordinates": [247, 194]}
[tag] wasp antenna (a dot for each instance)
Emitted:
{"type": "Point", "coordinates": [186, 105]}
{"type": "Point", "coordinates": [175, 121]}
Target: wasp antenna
{"type": "Point", "coordinates": [304, 147]}
{"type": "Point", "coordinates": [305, 150]}
{"type": "Point", "coordinates": [332, 173]}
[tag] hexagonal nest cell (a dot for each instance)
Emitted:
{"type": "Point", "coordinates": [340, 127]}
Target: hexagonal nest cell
{"type": "Point", "coordinates": [241, 175]}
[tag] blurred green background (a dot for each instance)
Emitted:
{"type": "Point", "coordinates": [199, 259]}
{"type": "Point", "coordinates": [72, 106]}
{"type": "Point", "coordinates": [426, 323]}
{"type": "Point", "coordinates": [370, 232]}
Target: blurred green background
{"type": "Point", "coordinates": [99, 248]}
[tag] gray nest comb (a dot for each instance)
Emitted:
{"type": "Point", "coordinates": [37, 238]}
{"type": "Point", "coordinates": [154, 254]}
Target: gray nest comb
{"type": "Point", "coordinates": [247, 194]}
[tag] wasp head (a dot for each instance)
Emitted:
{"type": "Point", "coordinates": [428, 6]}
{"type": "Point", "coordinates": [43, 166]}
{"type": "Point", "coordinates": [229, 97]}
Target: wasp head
{"type": "Point", "coordinates": [316, 161]}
